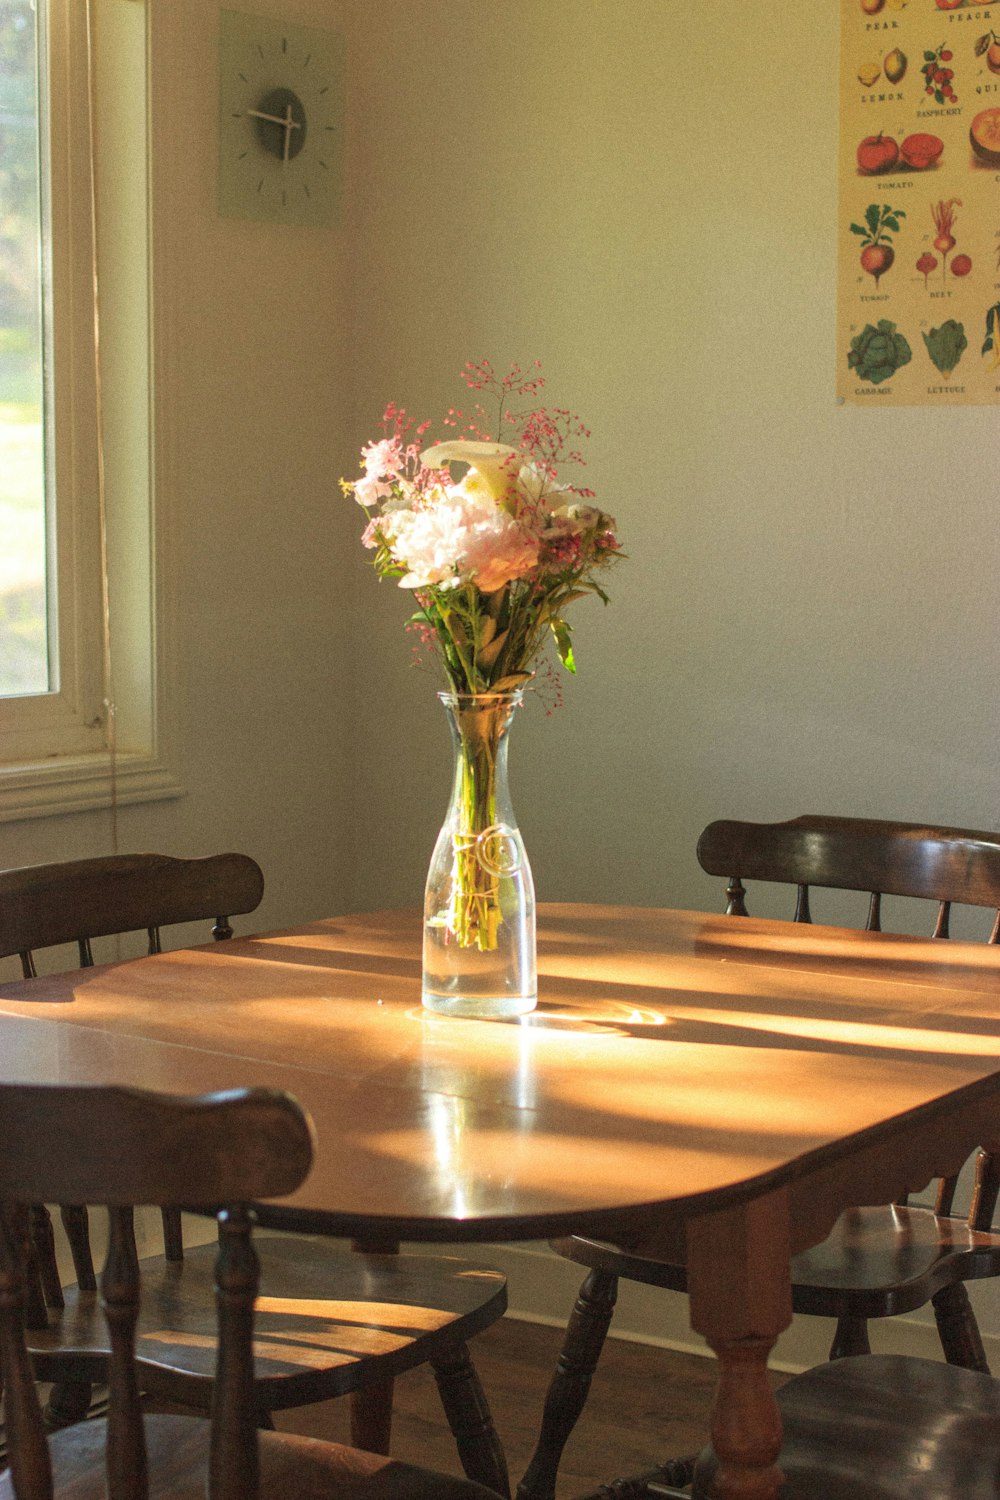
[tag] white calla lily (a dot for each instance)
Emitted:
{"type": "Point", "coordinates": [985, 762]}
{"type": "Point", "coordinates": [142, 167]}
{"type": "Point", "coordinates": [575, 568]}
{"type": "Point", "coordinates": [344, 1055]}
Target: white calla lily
{"type": "Point", "coordinates": [494, 463]}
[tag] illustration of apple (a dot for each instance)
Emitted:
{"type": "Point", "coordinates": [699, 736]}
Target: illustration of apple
{"type": "Point", "coordinates": [877, 153]}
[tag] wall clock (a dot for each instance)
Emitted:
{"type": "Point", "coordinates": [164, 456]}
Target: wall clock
{"type": "Point", "coordinates": [280, 120]}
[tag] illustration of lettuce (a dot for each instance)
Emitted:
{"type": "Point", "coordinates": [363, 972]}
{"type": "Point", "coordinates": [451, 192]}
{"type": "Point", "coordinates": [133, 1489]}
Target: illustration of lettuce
{"type": "Point", "coordinates": [877, 353]}
{"type": "Point", "coordinates": [945, 345]}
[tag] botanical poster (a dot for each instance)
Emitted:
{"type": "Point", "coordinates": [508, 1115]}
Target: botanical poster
{"type": "Point", "coordinates": [919, 220]}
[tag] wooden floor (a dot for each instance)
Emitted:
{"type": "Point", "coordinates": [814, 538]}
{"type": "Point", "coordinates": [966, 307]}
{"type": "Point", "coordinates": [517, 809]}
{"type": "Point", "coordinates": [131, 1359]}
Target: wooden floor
{"type": "Point", "coordinates": [646, 1405]}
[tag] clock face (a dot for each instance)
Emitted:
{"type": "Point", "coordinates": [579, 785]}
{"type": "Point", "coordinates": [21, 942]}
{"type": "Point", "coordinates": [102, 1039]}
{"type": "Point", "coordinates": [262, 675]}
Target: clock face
{"type": "Point", "coordinates": [280, 120]}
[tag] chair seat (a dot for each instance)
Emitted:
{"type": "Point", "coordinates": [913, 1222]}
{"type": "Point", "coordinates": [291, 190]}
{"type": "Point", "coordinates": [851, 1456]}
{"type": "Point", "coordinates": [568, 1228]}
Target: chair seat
{"type": "Point", "coordinates": [875, 1263]}
{"type": "Point", "coordinates": [886, 1427]}
{"type": "Point", "coordinates": [328, 1319]}
{"type": "Point", "coordinates": [290, 1466]}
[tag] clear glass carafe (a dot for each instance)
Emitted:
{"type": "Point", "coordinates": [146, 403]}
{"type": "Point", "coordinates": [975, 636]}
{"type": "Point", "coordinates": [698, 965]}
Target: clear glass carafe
{"type": "Point", "coordinates": [479, 903]}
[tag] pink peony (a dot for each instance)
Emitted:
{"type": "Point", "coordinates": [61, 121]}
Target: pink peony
{"type": "Point", "coordinates": [463, 538]}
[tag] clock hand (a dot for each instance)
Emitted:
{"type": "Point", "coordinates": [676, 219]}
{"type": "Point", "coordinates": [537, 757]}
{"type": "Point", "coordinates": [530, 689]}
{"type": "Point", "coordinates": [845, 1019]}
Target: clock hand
{"type": "Point", "coordinates": [283, 120]}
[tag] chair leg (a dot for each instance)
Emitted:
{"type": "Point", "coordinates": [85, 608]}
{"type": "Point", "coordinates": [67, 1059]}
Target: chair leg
{"type": "Point", "coordinates": [851, 1337]}
{"type": "Point", "coordinates": [44, 1244]}
{"type": "Point", "coordinates": [958, 1329]}
{"type": "Point", "coordinates": [371, 1417]}
{"type": "Point", "coordinates": [570, 1384]}
{"type": "Point", "coordinates": [75, 1221]}
{"type": "Point", "coordinates": [471, 1421]}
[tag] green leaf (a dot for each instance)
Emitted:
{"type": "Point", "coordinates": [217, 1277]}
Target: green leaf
{"type": "Point", "coordinates": [561, 632]}
{"type": "Point", "coordinates": [857, 229]}
{"type": "Point", "coordinates": [872, 217]}
{"type": "Point", "coordinates": [891, 222]}
{"type": "Point", "coordinates": [595, 588]}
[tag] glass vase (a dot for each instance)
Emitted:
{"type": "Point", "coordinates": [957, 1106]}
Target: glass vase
{"type": "Point", "coordinates": [479, 902]}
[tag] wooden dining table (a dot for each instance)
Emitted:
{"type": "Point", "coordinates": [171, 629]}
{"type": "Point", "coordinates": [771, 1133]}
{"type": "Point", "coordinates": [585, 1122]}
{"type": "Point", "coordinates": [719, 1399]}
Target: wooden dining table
{"type": "Point", "coordinates": [707, 1088]}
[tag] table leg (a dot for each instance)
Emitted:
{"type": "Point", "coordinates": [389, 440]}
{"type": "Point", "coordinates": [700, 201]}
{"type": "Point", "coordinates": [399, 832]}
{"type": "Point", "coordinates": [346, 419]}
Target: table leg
{"type": "Point", "coordinates": [741, 1300]}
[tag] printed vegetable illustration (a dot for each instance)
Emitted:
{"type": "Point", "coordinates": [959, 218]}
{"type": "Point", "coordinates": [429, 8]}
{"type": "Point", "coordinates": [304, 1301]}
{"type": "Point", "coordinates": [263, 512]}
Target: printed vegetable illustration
{"type": "Point", "coordinates": [877, 254]}
{"type": "Point", "coordinates": [921, 151]}
{"type": "Point", "coordinates": [877, 153]}
{"type": "Point", "coordinates": [894, 65]}
{"type": "Point", "coordinates": [926, 264]}
{"type": "Point", "coordinates": [992, 341]}
{"type": "Point", "coordinates": [984, 133]}
{"type": "Point", "coordinates": [961, 265]}
{"type": "Point", "coordinates": [990, 44]}
{"type": "Point", "coordinates": [945, 346]}
{"type": "Point", "coordinates": [937, 75]}
{"type": "Point", "coordinates": [943, 214]}
{"type": "Point", "coordinates": [877, 353]}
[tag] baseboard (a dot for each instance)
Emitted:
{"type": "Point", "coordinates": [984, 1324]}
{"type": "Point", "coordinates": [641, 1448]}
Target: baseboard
{"type": "Point", "coordinates": [542, 1287]}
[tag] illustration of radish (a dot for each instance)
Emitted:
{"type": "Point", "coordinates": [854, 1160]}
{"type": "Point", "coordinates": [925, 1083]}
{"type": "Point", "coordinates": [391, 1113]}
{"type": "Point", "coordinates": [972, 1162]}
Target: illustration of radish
{"type": "Point", "coordinates": [877, 254]}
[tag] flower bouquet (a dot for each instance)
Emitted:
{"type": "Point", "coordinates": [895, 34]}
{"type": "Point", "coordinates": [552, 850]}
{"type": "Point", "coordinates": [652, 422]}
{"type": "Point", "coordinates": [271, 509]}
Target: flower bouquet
{"type": "Point", "coordinates": [493, 558]}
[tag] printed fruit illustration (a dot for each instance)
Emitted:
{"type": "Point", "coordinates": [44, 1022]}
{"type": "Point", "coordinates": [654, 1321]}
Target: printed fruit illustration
{"type": "Point", "coordinates": [990, 45]}
{"type": "Point", "coordinates": [877, 254]}
{"type": "Point", "coordinates": [869, 73]}
{"type": "Point", "coordinates": [926, 264]}
{"type": "Point", "coordinates": [872, 7]}
{"type": "Point", "coordinates": [961, 265]}
{"type": "Point", "coordinates": [984, 133]}
{"type": "Point", "coordinates": [938, 76]}
{"type": "Point", "coordinates": [921, 151]}
{"type": "Point", "coordinates": [894, 65]}
{"type": "Point", "coordinates": [877, 153]}
{"type": "Point", "coordinates": [948, 4]}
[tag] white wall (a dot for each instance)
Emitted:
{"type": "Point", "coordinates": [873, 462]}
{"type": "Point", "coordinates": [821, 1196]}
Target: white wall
{"type": "Point", "coordinates": [642, 195]}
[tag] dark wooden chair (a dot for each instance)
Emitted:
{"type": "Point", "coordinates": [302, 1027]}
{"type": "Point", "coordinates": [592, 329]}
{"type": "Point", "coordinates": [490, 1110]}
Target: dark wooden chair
{"type": "Point", "coordinates": [220, 1152]}
{"type": "Point", "coordinates": [337, 1321]}
{"type": "Point", "coordinates": [877, 1262]}
{"type": "Point", "coordinates": [885, 1427]}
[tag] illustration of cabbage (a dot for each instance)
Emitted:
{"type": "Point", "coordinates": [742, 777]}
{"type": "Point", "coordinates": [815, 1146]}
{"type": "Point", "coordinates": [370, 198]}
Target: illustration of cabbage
{"type": "Point", "coordinates": [877, 353]}
{"type": "Point", "coordinates": [945, 345]}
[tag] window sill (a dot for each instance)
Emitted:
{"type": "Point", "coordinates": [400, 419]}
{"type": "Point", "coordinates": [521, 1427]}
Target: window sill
{"type": "Point", "coordinates": [78, 783]}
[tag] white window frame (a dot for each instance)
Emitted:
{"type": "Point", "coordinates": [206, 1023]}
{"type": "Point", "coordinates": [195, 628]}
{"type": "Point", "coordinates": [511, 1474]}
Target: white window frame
{"type": "Point", "coordinates": [90, 744]}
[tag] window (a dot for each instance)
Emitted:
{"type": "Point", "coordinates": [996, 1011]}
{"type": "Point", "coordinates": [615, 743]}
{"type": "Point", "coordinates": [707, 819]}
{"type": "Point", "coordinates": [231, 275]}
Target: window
{"type": "Point", "coordinates": [24, 644]}
{"type": "Point", "coordinates": [80, 682]}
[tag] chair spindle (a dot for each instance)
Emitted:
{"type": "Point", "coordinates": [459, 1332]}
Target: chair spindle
{"type": "Point", "coordinates": [128, 1478]}
{"type": "Point", "coordinates": [234, 1462]}
{"type": "Point", "coordinates": [27, 1449]}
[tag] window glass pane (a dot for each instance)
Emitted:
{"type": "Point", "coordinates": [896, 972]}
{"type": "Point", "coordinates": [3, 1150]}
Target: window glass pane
{"type": "Point", "coordinates": [24, 651]}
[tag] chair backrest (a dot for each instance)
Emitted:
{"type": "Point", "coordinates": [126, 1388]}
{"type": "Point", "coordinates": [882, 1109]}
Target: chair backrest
{"type": "Point", "coordinates": [881, 858]}
{"type": "Point", "coordinates": [45, 905]}
{"type": "Point", "coordinates": [42, 906]}
{"type": "Point", "coordinates": [945, 865]}
{"type": "Point", "coordinates": [219, 1151]}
